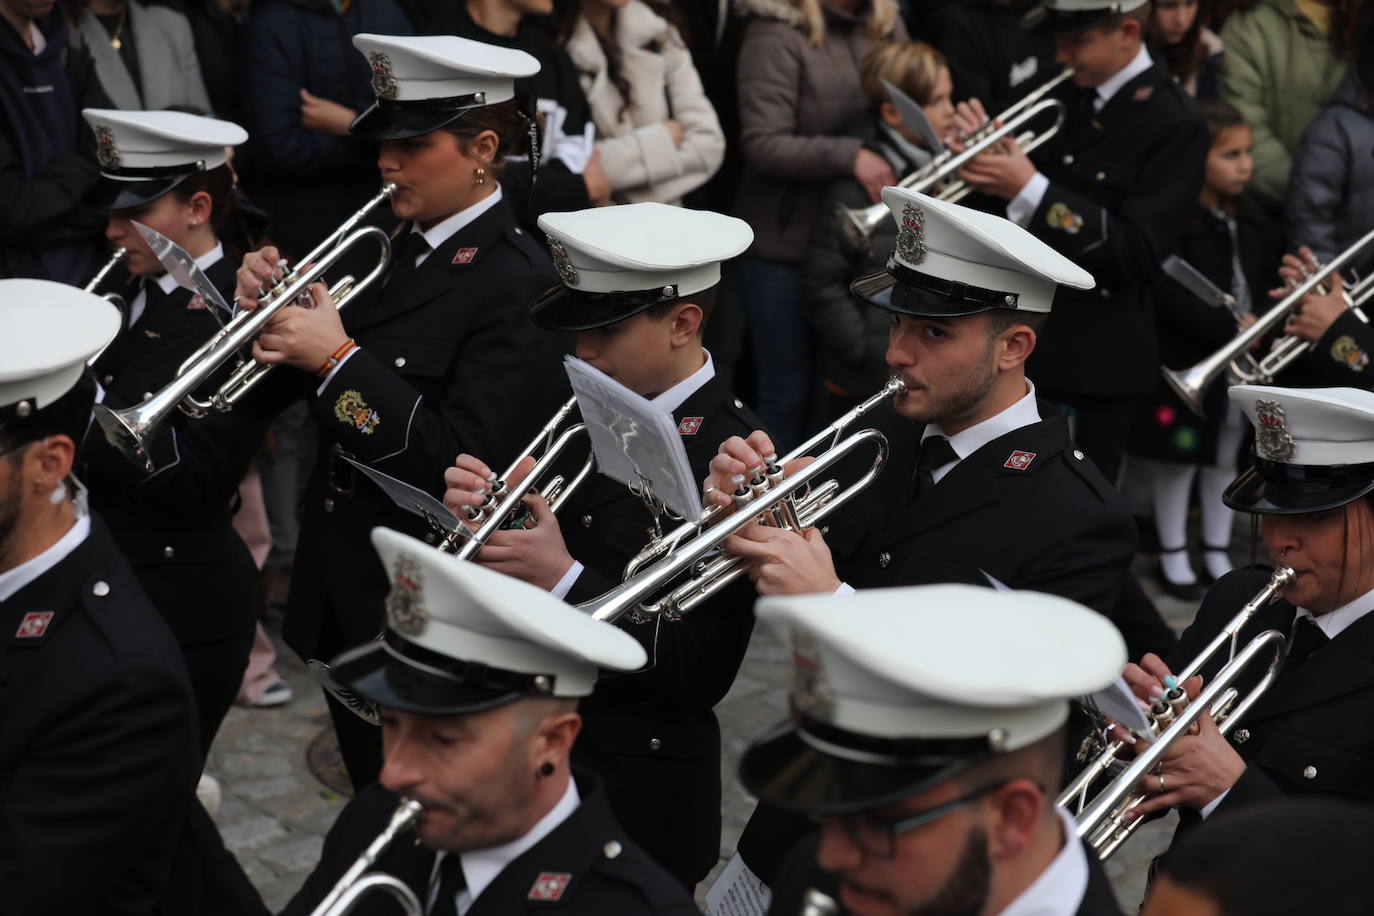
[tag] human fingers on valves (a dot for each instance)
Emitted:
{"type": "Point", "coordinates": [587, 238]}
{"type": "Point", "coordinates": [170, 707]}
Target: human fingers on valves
{"type": "Point", "coordinates": [258, 271]}
{"type": "Point", "coordinates": [470, 481]}
{"type": "Point", "coordinates": [737, 460]}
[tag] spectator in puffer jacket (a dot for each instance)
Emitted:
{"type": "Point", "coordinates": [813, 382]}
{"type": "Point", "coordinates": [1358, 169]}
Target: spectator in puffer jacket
{"type": "Point", "coordinates": [303, 83]}
{"type": "Point", "coordinates": [1331, 192]}
{"type": "Point", "coordinates": [798, 93]}
{"type": "Point", "coordinates": [657, 133]}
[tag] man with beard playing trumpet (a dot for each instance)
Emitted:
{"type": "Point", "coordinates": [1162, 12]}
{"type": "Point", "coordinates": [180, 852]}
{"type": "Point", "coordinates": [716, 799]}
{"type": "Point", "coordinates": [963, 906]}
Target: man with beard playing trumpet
{"type": "Point", "coordinates": [982, 481]}
{"type": "Point", "coordinates": [1311, 484]}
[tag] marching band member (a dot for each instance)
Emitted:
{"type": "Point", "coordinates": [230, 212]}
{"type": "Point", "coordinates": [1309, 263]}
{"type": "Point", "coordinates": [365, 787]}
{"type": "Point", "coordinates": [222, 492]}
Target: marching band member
{"type": "Point", "coordinates": [1310, 483]}
{"type": "Point", "coordinates": [982, 479]}
{"type": "Point", "coordinates": [1341, 341]}
{"type": "Point", "coordinates": [430, 367]}
{"type": "Point", "coordinates": [98, 748]}
{"type": "Point", "coordinates": [1112, 191]}
{"type": "Point", "coordinates": [168, 171]}
{"type": "Point", "coordinates": [927, 733]}
{"type": "Point", "coordinates": [478, 677]}
{"type": "Point", "coordinates": [639, 282]}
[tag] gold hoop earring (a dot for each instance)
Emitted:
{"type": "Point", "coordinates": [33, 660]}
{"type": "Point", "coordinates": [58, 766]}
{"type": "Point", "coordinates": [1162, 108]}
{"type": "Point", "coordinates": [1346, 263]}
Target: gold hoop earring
{"type": "Point", "coordinates": [480, 176]}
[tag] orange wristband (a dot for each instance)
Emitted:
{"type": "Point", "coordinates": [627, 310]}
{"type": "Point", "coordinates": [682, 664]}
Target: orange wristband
{"type": "Point", "coordinates": [336, 357]}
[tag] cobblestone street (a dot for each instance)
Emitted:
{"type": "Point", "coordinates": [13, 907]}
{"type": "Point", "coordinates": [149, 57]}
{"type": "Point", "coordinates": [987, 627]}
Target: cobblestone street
{"type": "Point", "coordinates": [275, 812]}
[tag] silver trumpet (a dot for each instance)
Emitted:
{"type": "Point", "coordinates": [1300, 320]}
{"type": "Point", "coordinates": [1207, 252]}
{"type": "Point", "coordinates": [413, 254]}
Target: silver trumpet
{"type": "Point", "coordinates": [817, 904]}
{"type": "Point", "coordinates": [343, 897]}
{"type": "Point", "coordinates": [504, 507]}
{"type": "Point", "coordinates": [1102, 822]}
{"type": "Point", "coordinates": [132, 429]}
{"type": "Point", "coordinates": [1235, 357]}
{"type": "Point", "coordinates": [859, 223]}
{"type": "Point", "coordinates": [114, 299]}
{"type": "Point", "coordinates": [651, 584]}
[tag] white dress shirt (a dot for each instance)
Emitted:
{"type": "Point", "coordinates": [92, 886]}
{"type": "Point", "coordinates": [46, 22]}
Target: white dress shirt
{"type": "Point", "coordinates": [1023, 206]}
{"type": "Point", "coordinates": [167, 283]}
{"type": "Point", "coordinates": [481, 866]}
{"type": "Point", "coordinates": [1059, 889]}
{"type": "Point", "coordinates": [669, 401]}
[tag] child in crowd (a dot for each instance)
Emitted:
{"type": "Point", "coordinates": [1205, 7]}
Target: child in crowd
{"type": "Point", "coordinates": [1177, 32]}
{"type": "Point", "coordinates": [1234, 245]}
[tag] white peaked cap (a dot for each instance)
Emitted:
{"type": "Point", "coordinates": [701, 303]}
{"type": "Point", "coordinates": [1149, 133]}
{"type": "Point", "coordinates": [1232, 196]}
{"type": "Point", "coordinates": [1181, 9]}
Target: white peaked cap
{"type": "Point", "coordinates": [50, 331]}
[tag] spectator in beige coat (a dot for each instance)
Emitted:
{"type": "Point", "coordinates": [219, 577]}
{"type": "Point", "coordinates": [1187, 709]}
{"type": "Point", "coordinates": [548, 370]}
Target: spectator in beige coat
{"type": "Point", "coordinates": [658, 134]}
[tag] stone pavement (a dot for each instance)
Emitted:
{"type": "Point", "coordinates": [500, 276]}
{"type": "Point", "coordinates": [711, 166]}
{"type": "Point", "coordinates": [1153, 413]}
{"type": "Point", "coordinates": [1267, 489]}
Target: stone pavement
{"type": "Point", "coordinates": [275, 812]}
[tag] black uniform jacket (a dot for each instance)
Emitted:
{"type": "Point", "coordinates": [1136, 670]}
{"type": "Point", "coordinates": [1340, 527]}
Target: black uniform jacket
{"type": "Point", "coordinates": [991, 57]}
{"type": "Point", "coordinates": [651, 735]}
{"type": "Point", "coordinates": [800, 873]}
{"type": "Point", "coordinates": [600, 870]}
{"type": "Point", "coordinates": [1123, 184]}
{"type": "Point", "coordinates": [183, 547]}
{"type": "Point", "coordinates": [1312, 731]}
{"type": "Point", "coordinates": [98, 755]}
{"type": "Point", "coordinates": [1341, 357]}
{"type": "Point", "coordinates": [1049, 522]}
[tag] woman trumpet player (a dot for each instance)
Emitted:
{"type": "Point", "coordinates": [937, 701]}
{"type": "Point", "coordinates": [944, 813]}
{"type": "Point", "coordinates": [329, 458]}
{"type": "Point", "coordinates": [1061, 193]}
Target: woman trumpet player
{"type": "Point", "coordinates": [443, 361]}
{"type": "Point", "coordinates": [169, 171]}
{"type": "Point", "coordinates": [1311, 486]}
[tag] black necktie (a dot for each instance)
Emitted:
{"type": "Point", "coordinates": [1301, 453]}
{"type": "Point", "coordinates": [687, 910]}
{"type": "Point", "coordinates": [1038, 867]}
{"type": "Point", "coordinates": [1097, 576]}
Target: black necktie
{"type": "Point", "coordinates": [1306, 640]}
{"type": "Point", "coordinates": [1087, 99]}
{"type": "Point", "coordinates": [935, 452]}
{"type": "Point", "coordinates": [403, 258]}
{"type": "Point", "coordinates": [451, 881]}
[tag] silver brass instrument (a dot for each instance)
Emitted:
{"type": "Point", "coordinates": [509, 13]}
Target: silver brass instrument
{"type": "Point", "coordinates": [1191, 384]}
{"type": "Point", "coordinates": [1102, 823]}
{"type": "Point", "coordinates": [354, 884]}
{"type": "Point", "coordinates": [131, 430]}
{"type": "Point", "coordinates": [817, 904]}
{"type": "Point", "coordinates": [504, 507]}
{"type": "Point", "coordinates": [859, 224]}
{"type": "Point", "coordinates": [771, 497]}
{"type": "Point", "coordinates": [115, 257]}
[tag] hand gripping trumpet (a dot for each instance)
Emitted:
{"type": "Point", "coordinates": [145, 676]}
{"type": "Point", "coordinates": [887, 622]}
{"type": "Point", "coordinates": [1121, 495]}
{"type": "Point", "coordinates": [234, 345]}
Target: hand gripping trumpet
{"type": "Point", "coordinates": [859, 224]}
{"type": "Point", "coordinates": [131, 430]}
{"type": "Point", "coordinates": [770, 498]}
{"type": "Point", "coordinates": [1192, 384]}
{"type": "Point", "coordinates": [343, 897]}
{"type": "Point", "coordinates": [1102, 823]}
{"type": "Point", "coordinates": [504, 507]}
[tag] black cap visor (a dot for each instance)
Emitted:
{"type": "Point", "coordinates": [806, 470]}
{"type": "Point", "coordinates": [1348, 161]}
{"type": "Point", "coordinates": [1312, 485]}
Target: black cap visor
{"type": "Point", "coordinates": [1275, 488]}
{"type": "Point", "coordinates": [910, 292]}
{"type": "Point", "coordinates": [566, 309]}
{"type": "Point", "coordinates": [1062, 23]}
{"type": "Point", "coordinates": [396, 673]}
{"type": "Point", "coordinates": [798, 770]}
{"type": "Point", "coordinates": [120, 194]}
{"type": "Point", "coordinates": [391, 120]}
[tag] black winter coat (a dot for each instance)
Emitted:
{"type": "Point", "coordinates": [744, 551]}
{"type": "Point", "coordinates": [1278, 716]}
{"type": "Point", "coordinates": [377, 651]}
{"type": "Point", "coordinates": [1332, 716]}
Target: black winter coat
{"type": "Point", "coordinates": [1330, 202]}
{"type": "Point", "coordinates": [588, 863]}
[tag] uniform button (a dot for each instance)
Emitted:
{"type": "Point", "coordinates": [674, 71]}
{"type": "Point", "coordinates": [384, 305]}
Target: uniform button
{"type": "Point", "coordinates": [430, 537]}
{"type": "Point", "coordinates": [400, 362]}
{"type": "Point", "coordinates": [519, 231]}
{"type": "Point", "coordinates": [1101, 176]}
{"type": "Point", "coordinates": [1309, 773]}
{"type": "Point", "coordinates": [107, 380]}
{"type": "Point", "coordinates": [169, 551]}
{"type": "Point", "coordinates": [1068, 159]}
{"type": "Point", "coordinates": [739, 405]}
{"type": "Point", "coordinates": [329, 505]}
{"type": "Point", "coordinates": [884, 558]}
{"type": "Point", "coordinates": [100, 589]}
{"type": "Point", "coordinates": [1241, 736]}
{"type": "Point", "coordinates": [655, 744]}
{"type": "Point", "coordinates": [1105, 293]}
{"type": "Point", "coordinates": [586, 521]}
{"type": "Point", "coordinates": [611, 849]}
{"type": "Point", "coordinates": [1077, 453]}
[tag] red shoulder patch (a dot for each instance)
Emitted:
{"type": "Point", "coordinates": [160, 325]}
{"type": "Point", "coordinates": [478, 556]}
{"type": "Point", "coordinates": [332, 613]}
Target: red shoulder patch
{"type": "Point", "coordinates": [1019, 460]}
{"type": "Point", "coordinates": [690, 425]}
{"type": "Point", "coordinates": [464, 255]}
{"type": "Point", "coordinates": [1143, 93]}
{"type": "Point", "coordinates": [34, 625]}
{"type": "Point", "coordinates": [549, 885]}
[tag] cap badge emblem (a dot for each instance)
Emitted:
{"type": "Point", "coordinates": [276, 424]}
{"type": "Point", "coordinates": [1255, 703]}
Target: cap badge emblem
{"type": "Point", "coordinates": [911, 237]}
{"type": "Point", "coordinates": [351, 410]}
{"type": "Point", "coordinates": [1059, 216]}
{"type": "Point", "coordinates": [1348, 353]}
{"type": "Point", "coordinates": [812, 694]}
{"type": "Point", "coordinates": [404, 611]}
{"type": "Point", "coordinates": [1272, 438]}
{"type": "Point", "coordinates": [34, 625]}
{"type": "Point", "coordinates": [383, 80]}
{"type": "Point", "coordinates": [689, 426]}
{"type": "Point", "coordinates": [562, 262]}
{"type": "Point", "coordinates": [1019, 460]}
{"type": "Point", "coordinates": [106, 152]}
{"type": "Point", "coordinates": [549, 885]}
